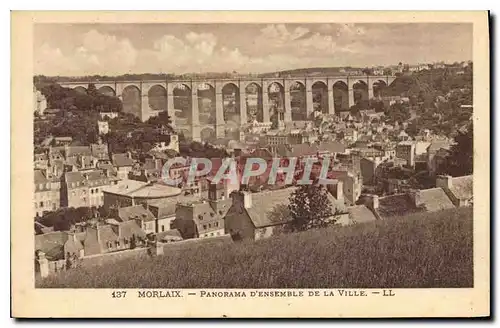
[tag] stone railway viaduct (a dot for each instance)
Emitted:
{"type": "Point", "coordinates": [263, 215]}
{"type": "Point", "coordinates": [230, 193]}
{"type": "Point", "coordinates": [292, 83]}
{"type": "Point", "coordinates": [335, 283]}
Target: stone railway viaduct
{"type": "Point", "coordinates": [191, 87]}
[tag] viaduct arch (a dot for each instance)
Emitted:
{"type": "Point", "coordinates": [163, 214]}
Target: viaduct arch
{"type": "Point", "coordinates": [235, 102]}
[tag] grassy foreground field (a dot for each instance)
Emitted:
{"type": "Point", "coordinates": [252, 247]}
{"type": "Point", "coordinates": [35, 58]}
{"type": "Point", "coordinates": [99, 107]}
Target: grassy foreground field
{"type": "Point", "coordinates": [424, 250]}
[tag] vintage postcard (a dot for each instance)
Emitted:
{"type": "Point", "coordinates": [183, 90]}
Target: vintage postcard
{"type": "Point", "coordinates": [250, 164]}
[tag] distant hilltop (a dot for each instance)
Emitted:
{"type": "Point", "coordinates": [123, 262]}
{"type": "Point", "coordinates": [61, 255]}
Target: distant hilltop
{"type": "Point", "coordinates": [311, 71]}
{"type": "Point", "coordinates": [330, 71]}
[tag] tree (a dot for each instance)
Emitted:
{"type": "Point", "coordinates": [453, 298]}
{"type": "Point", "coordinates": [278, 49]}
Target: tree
{"type": "Point", "coordinates": [92, 90]}
{"type": "Point", "coordinates": [367, 71]}
{"type": "Point", "coordinates": [310, 207]}
{"type": "Point", "coordinates": [461, 160]}
{"type": "Point", "coordinates": [133, 243]}
{"type": "Point", "coordinates": [162, 120]}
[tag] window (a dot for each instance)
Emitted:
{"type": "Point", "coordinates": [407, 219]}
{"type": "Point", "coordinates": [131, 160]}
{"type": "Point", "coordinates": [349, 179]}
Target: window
{"type": "Point", "coordinates": [91, 191]}
{"type": "Point", "coordinates": [212, 234]}
{"type": "Point", "coordinates": [36, 205]}
{"type": "Point", "coordinates": [209, 225]}
{"type": "Point", "coordinates": [162, 228]}
{"type": "Point", "coordinates": [204, 227]}
{"type": "Point", "coordinates": [216, 224]}
{"type": "Point", "coordinates": [40, 186]}
{"type": "Point", "coordinates": [41, 204]}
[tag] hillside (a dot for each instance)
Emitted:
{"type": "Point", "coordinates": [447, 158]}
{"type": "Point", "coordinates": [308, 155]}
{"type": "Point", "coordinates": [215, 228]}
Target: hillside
{"type": "Point", "coordinates": [311, 71]}
{"type": "Point", "coordinates": [425, 250]}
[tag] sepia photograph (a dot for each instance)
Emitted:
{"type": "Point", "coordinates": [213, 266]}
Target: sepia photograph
{"type": "Point", "coordinates": [272, 159]}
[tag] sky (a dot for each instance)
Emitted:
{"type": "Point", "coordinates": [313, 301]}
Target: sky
{"type": "Point", "coordinates": [115, 49]}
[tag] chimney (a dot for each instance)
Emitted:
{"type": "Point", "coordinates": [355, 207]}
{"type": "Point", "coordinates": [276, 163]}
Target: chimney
{"type": "Point", "coordinates": [373, 201]}
{"type": "Point", "coordinates": [158, 163]}
{"type": "Point", "coordinates": [444, 181]}
{"type": "Point", "coordinates": [415, 197]}
{"type": "Point", "coordinates": [243, 197]}
{"type": "Point", "coordinates": [247, 199]}
{"type": "Point", "coordinates": [340, 191]}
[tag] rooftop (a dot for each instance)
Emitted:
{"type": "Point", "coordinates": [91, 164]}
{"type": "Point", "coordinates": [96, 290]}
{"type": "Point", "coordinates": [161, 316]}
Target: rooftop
{"type": "Point", "coordinates": [135, 212]}
{"type": "Point", "coordinates": [139, 189]}
{"type": "Point", "coordinates": [271, 207]}
{"type": "Point", "coordinates": [462, 187]}
{"type": "Point", "coordinates": [397, 205]}
{"type": "Point", "coordinates": [360, 214]}
{"type": "Point", "coordinates": [435, 199]}
{"type": "Point", "coordinates": [121, 160]}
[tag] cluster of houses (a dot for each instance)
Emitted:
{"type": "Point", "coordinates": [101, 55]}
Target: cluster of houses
{"type": "Point", "coordinates": [141, 210]}
{"type": "Point", "coordinates": [371, 163]}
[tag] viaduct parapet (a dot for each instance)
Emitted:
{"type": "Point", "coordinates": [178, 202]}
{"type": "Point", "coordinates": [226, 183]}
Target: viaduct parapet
{"type": "Point", "coordinates": [191, 87]}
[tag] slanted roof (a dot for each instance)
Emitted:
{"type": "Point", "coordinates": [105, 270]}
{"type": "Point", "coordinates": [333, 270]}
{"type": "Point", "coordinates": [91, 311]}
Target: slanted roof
{"type": "Point", "coordinates": [106, 166]}
{"type": "Point", "coordinates": [397, 205]}
{"type": "Point", "coordinates": [360, 214]}
{"type": "Point", "coordinates": [169, 235]}
{"type": "Point", "coordinates": [106, 234]}
{"type": "Point", "coordinates": [462, 187]}
{"type": "Point", "coordinates": [165, 207]}
{"type": "Point", "coordinates": [100, 151]}
{"type": "Point", "coordinates": [332, 146]}
{"type": "Point", "coordinates": [40, 177]}
{"type": "Point", "coordinates": [271, 207]}
{"type": "Point", "coordinates": [78, 150]}
{"type": "Point", "coordinates": [302, 150]}
{"type": "Point", "coordinates": [267, 205]}
{"type": "Point", "coordinates": [435, 199]}
{"type": "Point", "coordinates": [52, 244]}
{"type": "Point", "coordinates": [135, 212]}
{"type": "Point", "coordinates": [134, 188]}
{"type": "Point", "coordinates": [121, 160]}
{"type": "Point", "coordinates": [91, 178]}
{"type": "Point", "coordinates": [202, 210]}
{"type": "Point", "coordinates": [438, 144]}
{"type": "Point", "coordinates": [129, 228]}
{"type": "Point", "coordinates": [64, 139]}
{"type": "Point", "coordinates": [41, 229]}
{"type": "Point", "coordinates": [71, 177]}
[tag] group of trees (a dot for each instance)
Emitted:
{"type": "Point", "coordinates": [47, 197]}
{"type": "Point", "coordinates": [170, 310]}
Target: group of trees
{"type": "Point", "coordinates": [128, 133]}
{"type": "Point", "coordinates": [200, 150]}
{"type": "Point", "coordinates": [69, 99]}
{"type": "Point", "coordinates": [461, 159]}
{"type": "Point", "coordinates": [79, 125]}
{"type": "Point", "coordinates": [65, 217]}
{"type": "Point", "coordinates": [310, 207]}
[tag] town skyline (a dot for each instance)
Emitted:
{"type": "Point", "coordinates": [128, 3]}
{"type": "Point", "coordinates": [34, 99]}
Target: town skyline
{"type": "Point", "coordinates": [93, 49]}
